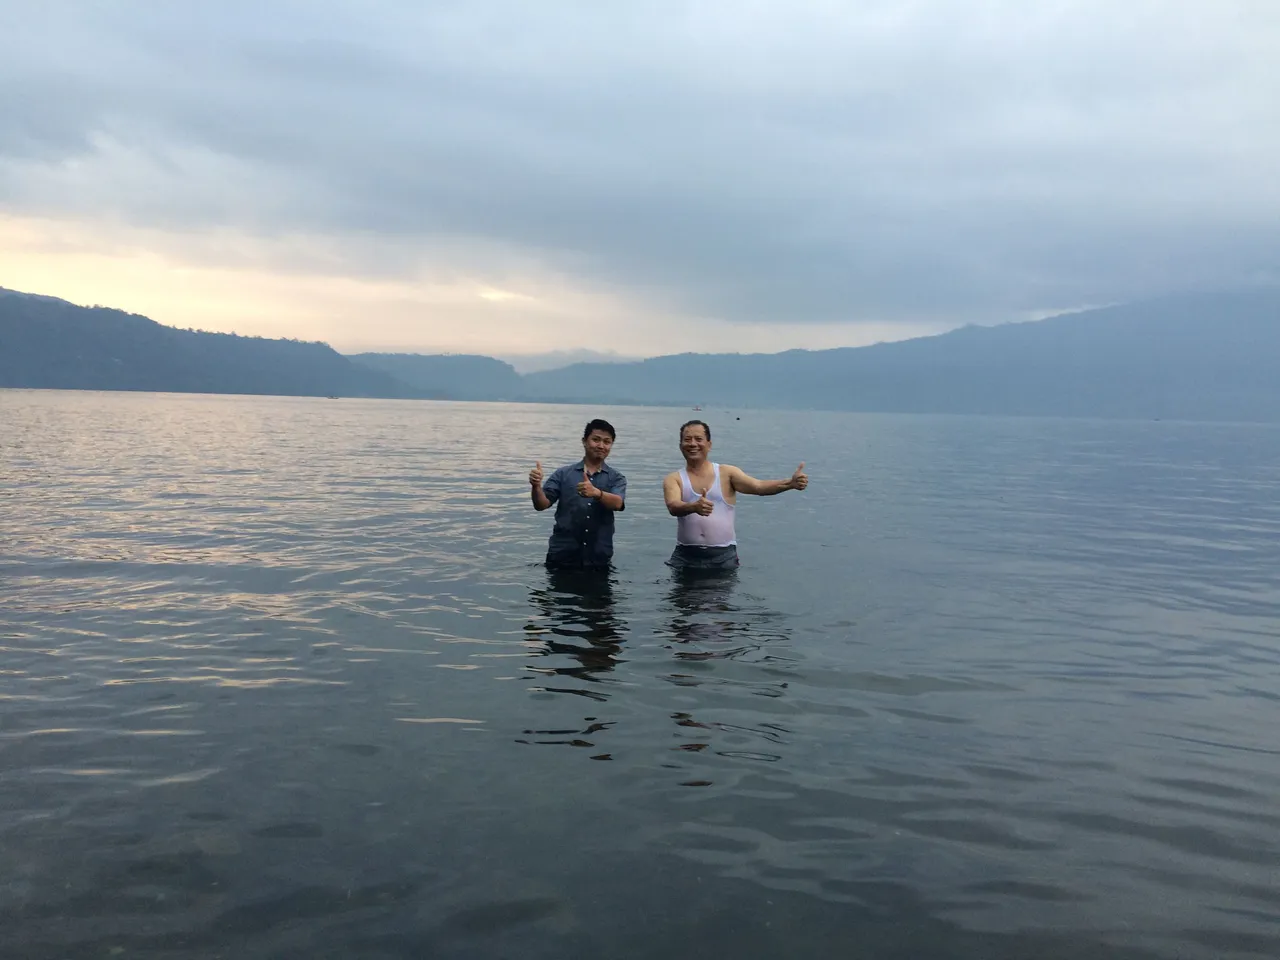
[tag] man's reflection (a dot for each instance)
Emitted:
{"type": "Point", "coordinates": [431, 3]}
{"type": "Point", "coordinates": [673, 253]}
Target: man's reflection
{"type": "Point", "coordinates": [702, 604]}
{"type": "Point", "coordinates": [575, 617]}
{"type": "Point", "coordinates": [713, 631]}
{"type": "Point", "coordinates": [709, 622]}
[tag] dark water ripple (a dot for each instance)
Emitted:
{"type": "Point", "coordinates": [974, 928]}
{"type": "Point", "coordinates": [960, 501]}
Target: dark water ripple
{"type": "Point", "coordinates": [284, 678]}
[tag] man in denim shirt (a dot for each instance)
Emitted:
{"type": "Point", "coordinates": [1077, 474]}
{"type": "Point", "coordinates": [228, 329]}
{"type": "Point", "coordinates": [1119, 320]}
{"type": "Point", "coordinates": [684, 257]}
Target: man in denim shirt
{"type": "Point", "coordinates": [587, 494]}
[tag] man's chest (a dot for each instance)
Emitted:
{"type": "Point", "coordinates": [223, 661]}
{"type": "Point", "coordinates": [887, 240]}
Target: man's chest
{"type": "Point", "coordinates": [708, 484]}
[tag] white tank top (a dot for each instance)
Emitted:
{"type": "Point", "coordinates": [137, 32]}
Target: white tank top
{"type": "Point", "coordinates": [713, 531]}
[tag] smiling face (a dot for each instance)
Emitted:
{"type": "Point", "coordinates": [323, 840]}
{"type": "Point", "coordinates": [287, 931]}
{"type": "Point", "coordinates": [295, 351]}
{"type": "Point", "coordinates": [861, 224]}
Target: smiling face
{"type": "Point", "coordinates": [694, 443]}
{"type": "Point", "coordinates": [596, 446]}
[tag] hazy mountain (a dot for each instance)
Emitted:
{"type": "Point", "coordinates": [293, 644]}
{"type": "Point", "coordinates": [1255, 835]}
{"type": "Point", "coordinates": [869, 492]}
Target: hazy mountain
{"type": "Point", "coordinates": [447, 376]}
{"type": "Point", "coordinates": [1205, 356]}
{"type": "Point", "coordinates": [47, 342]}
{"type": "Point", "coordinates": [555, 359]}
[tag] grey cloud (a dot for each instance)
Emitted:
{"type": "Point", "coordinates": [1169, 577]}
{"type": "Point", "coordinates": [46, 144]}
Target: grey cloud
{"type": "Point", "coordinates": [894, 162]}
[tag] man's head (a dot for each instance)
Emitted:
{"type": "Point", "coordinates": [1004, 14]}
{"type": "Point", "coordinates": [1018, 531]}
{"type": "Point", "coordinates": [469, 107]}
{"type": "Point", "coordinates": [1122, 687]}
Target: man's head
{"type": "Point", "coordinates": [695, 440]}
{"type": "Point", "coordinates": [597, 440]}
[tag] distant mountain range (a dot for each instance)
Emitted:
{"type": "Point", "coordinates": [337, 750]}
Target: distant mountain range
{"type": "Point", "coordinates": [47, 342]}
{"type": "Point", "coordinates": [1202, 356]}
{"type": "Point", "coordinates": [555, 359]}
{"type": "Point", "coordinates": [448, 376]}
{"type": "Point", "coordinates": [1205, 356]}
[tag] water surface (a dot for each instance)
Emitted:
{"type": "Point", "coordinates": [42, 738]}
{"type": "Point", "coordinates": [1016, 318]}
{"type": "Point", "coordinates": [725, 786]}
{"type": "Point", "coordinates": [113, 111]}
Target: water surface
{"type": "Point", "coordinates": [284, 677]}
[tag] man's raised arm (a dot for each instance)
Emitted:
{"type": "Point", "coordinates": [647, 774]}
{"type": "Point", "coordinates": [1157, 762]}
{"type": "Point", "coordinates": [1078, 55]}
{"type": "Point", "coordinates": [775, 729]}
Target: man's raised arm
{"type": "Point", "coordinates": [744, 483]}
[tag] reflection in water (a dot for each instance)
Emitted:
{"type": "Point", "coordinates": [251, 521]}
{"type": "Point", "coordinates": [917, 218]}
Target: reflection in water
{"type": "Point", "coordinates": [710, 622]}
{"type": "Point", "coordinates": [710, 625]}
{"type": "Point", "coordinates": [575, 617]}
{"type": "Point", "coordinates": [702, 605]}
{"type": "Point", "coordinates": [578, 619]}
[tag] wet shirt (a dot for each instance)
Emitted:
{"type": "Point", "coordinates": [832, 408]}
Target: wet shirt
{"type": "Point", "coordinates": [583, 532]}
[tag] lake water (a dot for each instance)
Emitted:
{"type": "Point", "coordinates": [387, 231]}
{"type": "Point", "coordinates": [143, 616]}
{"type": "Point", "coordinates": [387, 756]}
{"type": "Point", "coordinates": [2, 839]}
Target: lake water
{"type": "Point", "coordinates": [284, 678]}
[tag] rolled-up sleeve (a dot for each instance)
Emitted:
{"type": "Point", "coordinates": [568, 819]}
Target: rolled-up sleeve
{"type": "Point", "coordinates": [552, 485]}
{"type": "Point", "coordinates": [620, 488]}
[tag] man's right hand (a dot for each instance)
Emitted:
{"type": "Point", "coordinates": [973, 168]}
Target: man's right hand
{"type": "Point", "coordinates": [702, 506]}
{"type": "Point", "coordinates": [535, 475]}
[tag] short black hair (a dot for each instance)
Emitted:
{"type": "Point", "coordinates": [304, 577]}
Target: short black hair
{"type": "Point", "coordinates": [598, 424]}
{"type": "Point", "coordinates": [695, 423]}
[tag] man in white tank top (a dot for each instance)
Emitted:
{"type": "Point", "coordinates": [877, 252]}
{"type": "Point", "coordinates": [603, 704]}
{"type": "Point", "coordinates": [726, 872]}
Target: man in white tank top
{"type": "Point", "coordinates": [702, 496]}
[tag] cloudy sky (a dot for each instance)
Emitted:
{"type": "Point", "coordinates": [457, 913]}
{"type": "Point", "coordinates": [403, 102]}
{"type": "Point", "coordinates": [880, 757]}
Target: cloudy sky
{"type": "Point", "coordinates": [644, 178]}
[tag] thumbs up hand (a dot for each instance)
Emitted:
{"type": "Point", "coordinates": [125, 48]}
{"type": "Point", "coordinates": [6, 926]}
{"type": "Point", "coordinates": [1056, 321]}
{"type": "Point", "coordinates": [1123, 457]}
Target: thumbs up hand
{"type": "Point", "coordinates": [535, 475]}
{"type": "Point", "coordinates": [586, 488]}
{"type": "Point", "coordinates": [799, 480]}
{"type": "Point", "coordinates": [702, 506]}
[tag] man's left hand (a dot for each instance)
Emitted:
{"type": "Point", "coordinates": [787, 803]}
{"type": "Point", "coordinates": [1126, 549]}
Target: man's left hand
{"type": "Point", "coordinates": [587, 489]}
{"type": "Point", "coordinates": [799, 479]}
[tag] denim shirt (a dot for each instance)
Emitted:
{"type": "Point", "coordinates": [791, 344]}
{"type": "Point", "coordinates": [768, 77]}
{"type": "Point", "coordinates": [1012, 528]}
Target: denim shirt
{"type": "Point", "coordinates": [583, 532]}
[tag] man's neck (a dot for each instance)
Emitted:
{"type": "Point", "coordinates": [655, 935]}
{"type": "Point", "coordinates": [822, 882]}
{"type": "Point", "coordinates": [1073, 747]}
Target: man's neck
{"type": "Point", "coordinates": [693, 466]}
{"type": "Point", "coordinates": [592, 466]}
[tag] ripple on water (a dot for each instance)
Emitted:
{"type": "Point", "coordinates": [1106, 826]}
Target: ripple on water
{"type": "Point", "coordinates": [283, 678]}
